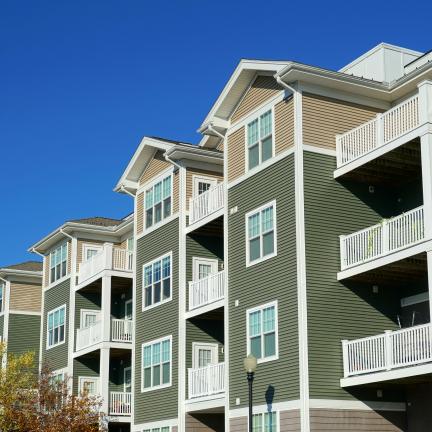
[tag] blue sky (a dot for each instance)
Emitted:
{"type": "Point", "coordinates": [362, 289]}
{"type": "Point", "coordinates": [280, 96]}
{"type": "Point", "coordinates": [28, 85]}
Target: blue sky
{"type": "Point", "coordinates": [81, 82]}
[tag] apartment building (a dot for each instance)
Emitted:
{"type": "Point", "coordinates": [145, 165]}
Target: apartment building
{"type": "Point", "coordinates": [20, 307]}
{"type": "Point", "coordinates": [298, 230]}
{"type": "Point", "coordinates": [87, 329]}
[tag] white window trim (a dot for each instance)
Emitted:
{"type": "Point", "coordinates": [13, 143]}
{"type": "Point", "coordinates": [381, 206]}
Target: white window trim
{"type": "Point", "coordinates": [151, 429]}
{"type": "Point", "coordinates": [261, 308]}
{"type": "Point", "coordinates": [160, 258]}
{"type": "Point", "coordinates": [68, 250]}
{"type": "Point", "coordinates": [213, 346]}
{"type": "Point", "coordinates": [247, 215]}
{"type": "Point", "coordinates": [89, 246]}
{"type": "Point", "coordinates": [246, 148]}
{"type": "Point", "coordinates": [3, 286]}
{"type": "Point", "coordinates": [204, 179]}
{"type": "Point", "coordinates": [262, 412]}
{"type": "Point", "coordinates": [84, 312]}
{"type": "Point", "coordinates": [196, 261]}
{"type": "Point", "coordinates": [129, 368]}
{"type": "Point", "coordinates": [161, 386]}
{"type": "Point", "coordinates": [65, 327]}
{"type": "Point", "coordinates": [88, 378]}
{"type": "Point", "coordinates": [150, 184]}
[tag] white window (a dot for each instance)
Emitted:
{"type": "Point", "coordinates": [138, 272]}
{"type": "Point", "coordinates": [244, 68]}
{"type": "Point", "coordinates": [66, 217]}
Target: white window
{"type": "Point", "coordinates": [58, 262]}
{"type": "Point", "coordinates": [203, 267]}
{"type": "Point", "coordinates": [158, 429]}
{"type": "Point", "coordinates": [127, 379]}
{"type": "Point", "coordinates": [202, 184]}
{"type": "Point", "coordinates": [2, 294]}
{"type": "Point", "coordinates": [158, 201]}
{"type": "Point", "coordinates": [157, 281]}
{"type": "Point", "coordinates": [265, 422]}
{"type": "Point", "coordinates": [89, 317]}
{"type": "Point", "coordinates": [88, 386]}
{"type": "Point", "coordinates": [262, 332]}
{"type": "Point", "coordinates": [156, 364]}
{"type": "Point", "coordinates": [261, 233]}
{"type": "Point", "coordinates": [204, 354]}
{"type": "Point", "coordinates": [56, 328]}
{"type": "Point", "coordinates": [90, 251]}
{"type": "Point", "coordinates": [260, 139]}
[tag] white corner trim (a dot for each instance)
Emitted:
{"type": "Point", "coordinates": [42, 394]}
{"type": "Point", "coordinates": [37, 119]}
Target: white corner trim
{"type": "Point", "coordinates": [24, 312]}
{"type": "Point", "coordinates": [319, 150]}
{"type": "Point", "coordinates": [357, 405]}
{"type": "Point", "coordinates": [258, 409]}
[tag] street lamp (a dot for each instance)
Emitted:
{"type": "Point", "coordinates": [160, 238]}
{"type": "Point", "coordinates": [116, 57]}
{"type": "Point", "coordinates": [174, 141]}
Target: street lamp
{"type": "Point", "coordinates": [250, 364]}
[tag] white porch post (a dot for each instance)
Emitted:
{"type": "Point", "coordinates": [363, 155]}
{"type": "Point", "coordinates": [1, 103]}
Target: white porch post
{"type": "Point", "coordinates": [106, 308]}
{"type": "Point", "coordinates": [104, 379]}
{"type": "Point", "coordinates": [426, 167]}
{"type": "Point", "coordinates": [429, 274]}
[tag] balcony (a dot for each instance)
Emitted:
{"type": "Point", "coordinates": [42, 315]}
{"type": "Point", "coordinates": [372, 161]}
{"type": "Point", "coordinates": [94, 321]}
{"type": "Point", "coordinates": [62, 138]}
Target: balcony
{"type": "Point", "coordinates": [391, 126]}
{"type": "Point", "coordinates": [390, 236]}
{"type": "Point", "coordinates": [389, 351]}
{"type": "Point", "coordinates": [121, 331]}
{"type": "Point", "coordinates": [206, 204]}
{"type": "Point", "coordinates": [206, 291]}
{"type": "Point", "coordinates": [120, 403]}
{"type": "Point", "coordinates": [206, 381]}
{"type": "Point", "coordinates": [108, 258]}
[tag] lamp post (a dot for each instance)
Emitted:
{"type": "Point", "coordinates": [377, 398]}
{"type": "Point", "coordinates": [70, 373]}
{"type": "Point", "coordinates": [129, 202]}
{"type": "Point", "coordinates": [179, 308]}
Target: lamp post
{"type": "Point", "coordinates": [250, 364]}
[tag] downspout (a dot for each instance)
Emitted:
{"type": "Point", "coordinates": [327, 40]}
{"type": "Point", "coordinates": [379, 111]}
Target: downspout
{"type": "Point", "coordinates": [301, 255]}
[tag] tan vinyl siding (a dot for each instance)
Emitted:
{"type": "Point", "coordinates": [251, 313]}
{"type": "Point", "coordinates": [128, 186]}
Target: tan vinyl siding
{"type": "Point", "coordinates": [176, 192]}
{"type": "Point", "coordinates": [25, 297]}
{"type": "Point", "coordinates": [290, 421]}
{"type": "Point", "coordinates": [236, 154]}
{"type": "Point", "coordinates": [46, 271]}
{"type": "Point", "coordinates": [220, 146]}
{"type": "Point", "coordinates": [156, 166]}
{"type": "Point", "coordinates": [356, 420]}
{"type": "Point", "coordinates": [324, 118]}
{"type": "Point", "coordinates": [69, 257]}
{"type": "Point", "coordinates": [139, 218]}
{"type": "Point", "coordinates": [284, 125]}
{"type": "Point", "coordinates": [189, 180]}
{"type": "Point", "coordinates": [261, 90]}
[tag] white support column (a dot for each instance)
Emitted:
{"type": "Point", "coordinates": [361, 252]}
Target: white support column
{"type": "Point", "coordinates": [429, 271]}
{"type": "Point", "coordinates": [104, 379]}
{"type": "Point", "coordinates": [108, 248]}
{"type": "Point", "coordinates": [106, 308]}
{"type": "Point", "coordinates": [426, 166]}
{"type": "Point", "coordinates": [425, 102]}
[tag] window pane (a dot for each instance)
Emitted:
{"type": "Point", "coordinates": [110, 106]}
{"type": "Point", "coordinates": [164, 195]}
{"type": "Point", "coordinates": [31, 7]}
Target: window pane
{"type": "Point", "coordinates": [255, 346]}
{"type": "Point", "coordinates": [157, 292]}
{"type": "Point", "coordinates": [269, 344]}
{"type": "Point", "coordinates": [253, 133]}
{"type": "Point", "coordinates": [268, 243]}
{"type": "Point", "coordinates": [166, 267]}
{"type": "Point", "coordinates": [266, 149]}
{"type": "Point", "coordinates": [62, 316]}
{"type": "Point", "coordinates": [254, 225]}
{"type": "Point", "coordinates": [148, 296]}
{"type": "Point", "coordinates": [158, 212]}
{"type": "Point", "coordinates": [149, 217]}
{"type": "Point", "coordinates": [270, 422]}
{"type": "Point", "coordinates": [147, 377]}
{"type": "Point", "coordinates": [255, 323]}
{"type": "Point", "coordinates": [254, 249]}
{"type": "Point", "coordinates": [156, 375]}
{"type": "Point", "coordinates": [166, 288]}
{"type": "Point", "coordinates": [269, 319]}
{"type": "Point", "coordinates": [167, 187]}
{"type": "Point", "coordinates": [257, 423]}
{"type": "Point", "coordinates": [147, 275]}
{"type": "Point", "coordinates": [149, 199]}
{"type": "Point", "coordinates": [50, 321]}
{"type": "Point", "coordinates": [167, 207]}
{"type": "Point", "coordinates": [253, 156]}
{"type": "Point", "coordinates": [267, 219]}
{"type": "Point", "coordinates": [166, 351]}
{"type": "Point", "coordinates": [157, 271]}
{"type": "Point", "coordinates": [157, 192]}
{"type": "Point", "coordinates": [165, 373]}
{"type": "Point", "coordinates": [165, 429]}
{"type": "Point", "coordinates": [156, 353]}
{"type": "Point", "coordinates": [147, 356]}
{"type": "Point", "coordinates": [266, 124]}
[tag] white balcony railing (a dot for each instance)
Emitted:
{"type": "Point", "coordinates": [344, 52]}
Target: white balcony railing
{"type": "Point", "coordinates": [390, 350]}
{"type": "Point", "coordinates": [121, 330]}
{"type": "Point", "coordinates": [389, 236]}
{"type": "Point", "coordinates": [120, 403]}
{"type": "Point", "coordinates": [88, 336]}
{"type": "Point", "coordinates": [207, 203]}
{"type": "Point", "coordinates": [207, 290]}
{"type": "Point", "coordinates": [108, 258]}
{"type": "Point", "coordinates": [383, 129]}
{"type": "Point", "coordinates": [206, 381]}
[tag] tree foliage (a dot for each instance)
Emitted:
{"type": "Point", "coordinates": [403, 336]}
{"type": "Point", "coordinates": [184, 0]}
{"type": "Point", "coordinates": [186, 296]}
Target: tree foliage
{"type": "Point", "coordinates": [32, 401]}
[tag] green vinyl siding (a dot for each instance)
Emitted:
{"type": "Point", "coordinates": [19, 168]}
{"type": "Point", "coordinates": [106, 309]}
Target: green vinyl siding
{"type": "Point", "coordinates": [85, 366]}
{"type": "Point", "coordinates": [24, 334]}
{"type": "Point", "coordinates": [86, 300]}
{"type": "Point", "coordinates": [58, 295]}
{"type": "Point", "coordinates": [155, 323]}
{"type": "Point", "coordinates": [338, 310]}
{"type": "Point", "coordinates": [273, 279]}
{"type": "Point", "coordinates": [200, 246]}
{"type": "Point", "coordinates": [2, 326]}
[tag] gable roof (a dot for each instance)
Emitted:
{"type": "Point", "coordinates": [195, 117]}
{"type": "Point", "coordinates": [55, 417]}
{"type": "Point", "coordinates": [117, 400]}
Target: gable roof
{"type": "Point", "coordinates": [35, 266]}
{"type": "Point", "coordinates": [98, 221]}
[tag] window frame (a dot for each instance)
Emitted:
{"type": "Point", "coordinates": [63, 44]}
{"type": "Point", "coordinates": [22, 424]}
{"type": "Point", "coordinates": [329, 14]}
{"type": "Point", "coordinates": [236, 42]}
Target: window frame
{"type": "Point", "coordinates": [89, 378]}
{"type": "Point", "coordinates": [250, 263]}
{"type": "Point", "coordinates": [150, 185]}
{"type": "Point", "coordinates": [59, 246]}
{"type": "Point", "coordinates": [52, 311]}
{"type": "Point", "coordinates": [196, 261]}
{"type": "Point", "coordinates": [276, 330]}
{"type": "Point", "coordinates": [143, 286]}
{"type": "Point", "coordinates": [197, 179]}
{"type": "Point", "coordinates": [151, 343]}
{"type": "Point", "coordinates": [250, 120]}
{"type": "Point", "coordinates": [213, 347]}
{"type": "Point", "coordinates": [84, 312]}
{"type": "Point", "coordinates": [86, 247]}
{"type": "Point", "coordinates": [262, 413]}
